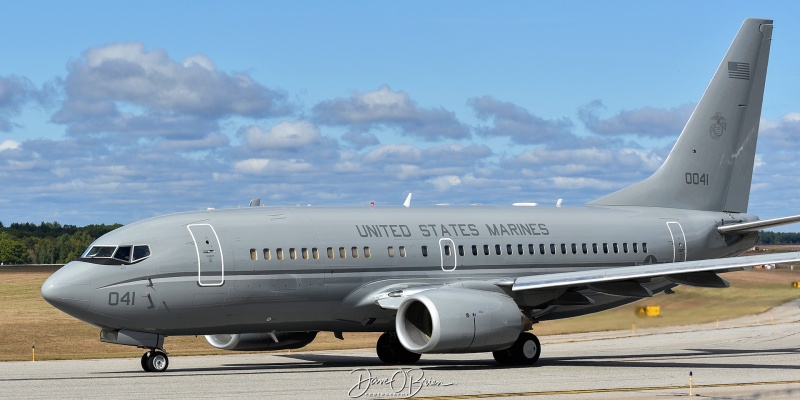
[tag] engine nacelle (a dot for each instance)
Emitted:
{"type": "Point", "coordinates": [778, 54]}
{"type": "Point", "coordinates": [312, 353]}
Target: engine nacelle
{"type": "Point", "coordinates": [452, 320]}
{"type": "Point", "coordinates": [261, 341]}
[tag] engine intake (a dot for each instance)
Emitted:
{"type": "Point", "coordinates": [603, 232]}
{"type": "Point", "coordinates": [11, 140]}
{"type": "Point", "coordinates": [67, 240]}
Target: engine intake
{"type": "Point", "coordinates": [261, 341]}
{"type": "Point", "coordinates": [452, 320]}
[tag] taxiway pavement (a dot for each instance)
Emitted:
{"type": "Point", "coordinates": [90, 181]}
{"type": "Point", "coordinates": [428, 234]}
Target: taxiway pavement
{"type": "Point", "coordinates": [751, 357]}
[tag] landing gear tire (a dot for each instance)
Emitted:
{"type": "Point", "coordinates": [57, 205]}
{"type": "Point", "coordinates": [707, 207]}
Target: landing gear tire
{"type": "Point", "coordinates": [155, 361]}
{"type": "Point", "coordinates": [145, 357]}
{"type": "Point", "coordinates": [391, 351]}
{"type": "Point", "coordinates": [525, 351]}
{"type": "Point", "coordinates": [503, 357]}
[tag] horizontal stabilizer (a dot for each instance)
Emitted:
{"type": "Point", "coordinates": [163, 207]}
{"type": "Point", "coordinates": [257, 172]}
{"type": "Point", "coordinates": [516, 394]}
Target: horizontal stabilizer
{"type": "Point", "coordinates": [756, 226]}
{"type": "Point", "coordinates": [627, 273]}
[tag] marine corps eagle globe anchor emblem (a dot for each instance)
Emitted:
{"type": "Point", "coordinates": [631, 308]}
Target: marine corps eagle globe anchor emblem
{"type": "Point", "coordinates": [716, 130]}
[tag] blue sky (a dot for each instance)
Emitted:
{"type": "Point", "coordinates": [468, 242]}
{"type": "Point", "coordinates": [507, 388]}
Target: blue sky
{"type": "Point", "coordinates": [118, 111]}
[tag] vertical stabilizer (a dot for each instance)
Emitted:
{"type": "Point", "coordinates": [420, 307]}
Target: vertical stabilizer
{"type": "Point", "coordinates": [711, 166]}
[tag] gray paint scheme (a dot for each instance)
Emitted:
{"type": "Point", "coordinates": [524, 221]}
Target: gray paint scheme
{"type": "Point", "coordinates": [207, 273]}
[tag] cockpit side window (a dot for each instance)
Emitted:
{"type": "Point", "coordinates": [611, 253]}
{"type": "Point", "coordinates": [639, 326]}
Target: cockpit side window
{"type": "Point", "coordinates": [140, 252]}
{"type": "Point", "coordinates": [123, 253]}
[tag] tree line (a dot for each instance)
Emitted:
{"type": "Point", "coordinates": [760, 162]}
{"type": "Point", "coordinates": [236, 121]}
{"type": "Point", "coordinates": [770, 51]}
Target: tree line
{"type": "Point", "coordinates": [47, 243]}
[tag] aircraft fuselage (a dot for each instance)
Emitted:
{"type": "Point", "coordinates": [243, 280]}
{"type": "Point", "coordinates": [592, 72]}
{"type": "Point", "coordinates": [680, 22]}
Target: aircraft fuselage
{"type": "Point", "coordinates": [306, 268]}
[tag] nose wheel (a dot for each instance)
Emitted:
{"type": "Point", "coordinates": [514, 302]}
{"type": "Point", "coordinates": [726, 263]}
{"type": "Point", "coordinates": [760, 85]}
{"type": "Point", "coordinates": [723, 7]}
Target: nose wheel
{"type": "Point", "coordinates": [155, 361]}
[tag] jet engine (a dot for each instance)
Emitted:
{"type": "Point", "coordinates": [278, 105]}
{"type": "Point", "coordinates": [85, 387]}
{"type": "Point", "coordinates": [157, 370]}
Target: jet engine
{"type": "Point", "coordinates": [451, 320]}
{"type": "Point", "coordinates": [261, 341]}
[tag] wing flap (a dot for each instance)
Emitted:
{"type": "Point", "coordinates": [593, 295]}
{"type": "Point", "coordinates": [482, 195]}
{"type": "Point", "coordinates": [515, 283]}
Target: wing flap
{"type": "Point", "coordinates": [565, 279]}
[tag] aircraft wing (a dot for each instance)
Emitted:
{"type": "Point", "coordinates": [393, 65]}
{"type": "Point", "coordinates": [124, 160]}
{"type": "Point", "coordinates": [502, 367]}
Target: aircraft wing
{"type": "Point", "coordinates": [681, 271]}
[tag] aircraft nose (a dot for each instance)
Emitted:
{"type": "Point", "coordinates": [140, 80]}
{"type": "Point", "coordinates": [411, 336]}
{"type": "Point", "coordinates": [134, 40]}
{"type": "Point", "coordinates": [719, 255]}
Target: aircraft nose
{"type": "Point", "coordinates": [68, 289]}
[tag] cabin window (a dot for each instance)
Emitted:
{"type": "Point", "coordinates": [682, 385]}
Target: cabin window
{"type": "Point", "coordinates": [391, 251]}
{"type": "Point", "coordinates": [354, 250]}
{"type": "Point", "coordinates": [541, 249]}
{"type": "Point", "coordinates": [279, 251]}
{"type": "Point", "coordinates": [474, 250]}
{"type": "Point", "coordinates": [644, 247]}
{"type": "Point", "coordinates": [447, 250]}
{"type": "Point", "coordinates": [594, 248]}
{"type": "Point", "coordinates": [424, 251]}
{"type": "Point", "coordinates": [342, 252]}
{"type": "Point", "coordinates": [509, 249]}
{"type": "Point", "coordinates": [625, 248]}
{"type": "Point", "coordinates": [486, 249]}
{"type": "Point", "coordinates": [552, 248]}
{"type": "Point", "coordinates": [253, 254]}
{"type": "Point", "coordinates": [461, 250]}
{"type": "Point", "coordinates": [367, 253]}
{"type": "Point", "coordinates": [520, 250]}
{"type": "Point", "coordinates": [267, 255]}
{"type": "Point", "coordinates": [531, 249]}
{"type": "Point", "coordinates": [616, 248]}
{"type": "Point", "coordinates": [635, 248]}
{"type": "Point", "coordinates": [315, 253]}
{"type": "Point", "coordinates": [585, 248]}
{"type": "Point", "coordinates": [563, 248]}
{"type": "Point", "coordinates": [497, 249]}
{"type": "Point", "coordinates": [305, 253]}
{"type": "Point", "coordinates": [292, 253]}
{"type": "Point", "coordinates": [574, 248]}
{"type": "Point", "coordinates": [605, 248]}
{"type": "Point", "coordinates": [330, 252]}
{"type": "Point", "coordinates": [402, 251]}
{"type": "Point", "coordinates": [140, 252]}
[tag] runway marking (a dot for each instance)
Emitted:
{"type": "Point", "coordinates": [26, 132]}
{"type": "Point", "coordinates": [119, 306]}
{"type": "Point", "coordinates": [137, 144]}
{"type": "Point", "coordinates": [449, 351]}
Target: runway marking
{"type": "Point", "coordinates": [610, 390]}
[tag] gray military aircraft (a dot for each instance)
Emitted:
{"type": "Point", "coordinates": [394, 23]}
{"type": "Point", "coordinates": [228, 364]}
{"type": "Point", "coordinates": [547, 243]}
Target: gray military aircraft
{"type": "Point", "coordinates": [437, 279]}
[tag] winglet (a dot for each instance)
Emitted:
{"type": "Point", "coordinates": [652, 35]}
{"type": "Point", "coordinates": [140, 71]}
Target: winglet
{"type": "Point", "coordinates": [407, 203]}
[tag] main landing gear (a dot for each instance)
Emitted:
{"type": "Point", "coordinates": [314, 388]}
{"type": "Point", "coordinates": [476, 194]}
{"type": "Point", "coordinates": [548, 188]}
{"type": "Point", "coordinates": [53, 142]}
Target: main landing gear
{"type": "Point", "coordinates": [155, 361]}
{"type": "Point", "coordinates": [525, 351]}
{"type": "Point", "coordinates": [391, 351]}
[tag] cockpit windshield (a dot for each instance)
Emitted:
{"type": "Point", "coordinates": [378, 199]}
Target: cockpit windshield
{"type": "Point", "coordinates": [100, 252]}
{"type": "Point", "coordinates": [127, 254]}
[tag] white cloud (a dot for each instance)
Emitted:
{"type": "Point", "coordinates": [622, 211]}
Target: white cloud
{"type": "Point", "coordinates": [567, 182]}
{"type": "Point", "coordinates": [645, 121]}
{"type": "Point", "coordinates": [443, 183]}
{"type": "Point", "coordinates": [9, 144]}
{"type": "Point", "coordinates": [393, 153]}
{"type": "Point", "coordinates": [389, 109]}
{"type": "Point", "coordinates": [252, 165]}
{"type": "Point", "coordinates": [282, 136]}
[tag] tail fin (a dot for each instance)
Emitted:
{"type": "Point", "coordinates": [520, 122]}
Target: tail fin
{"type": "Point", "coordinates": [711, 166]}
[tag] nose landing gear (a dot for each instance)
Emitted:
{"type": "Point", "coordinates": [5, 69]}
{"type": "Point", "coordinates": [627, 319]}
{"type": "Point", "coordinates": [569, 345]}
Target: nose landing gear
{"type": "Point", "coordinates": [155, 361]}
